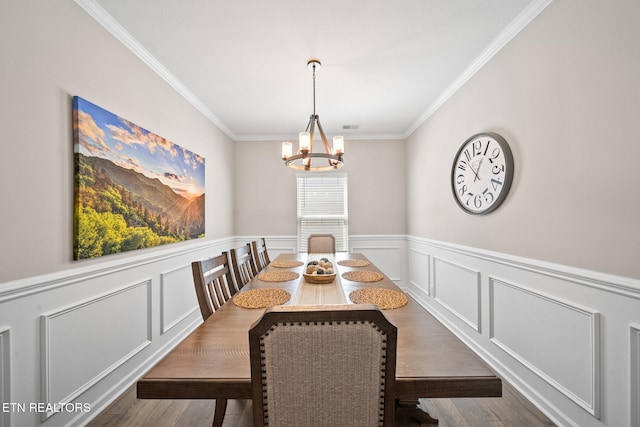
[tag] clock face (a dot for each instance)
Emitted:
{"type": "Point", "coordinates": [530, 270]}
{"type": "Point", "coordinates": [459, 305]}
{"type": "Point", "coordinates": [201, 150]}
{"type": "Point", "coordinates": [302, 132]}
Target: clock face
{"type": "Point", "coordinates": [482, 173]}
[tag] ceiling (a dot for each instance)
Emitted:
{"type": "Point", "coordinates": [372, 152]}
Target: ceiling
{"type": "Point", "coordinates": [386, 64]}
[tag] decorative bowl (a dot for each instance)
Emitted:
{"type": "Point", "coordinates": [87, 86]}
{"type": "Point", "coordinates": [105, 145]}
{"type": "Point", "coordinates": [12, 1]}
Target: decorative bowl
{"type": "Point", "coordinates": [319, 278]}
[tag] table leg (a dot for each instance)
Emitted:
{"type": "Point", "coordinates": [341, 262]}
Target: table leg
{"type": "Point", "coordinates": [218, 415]}
{"type": "Point", "coordinates": [408, 410]}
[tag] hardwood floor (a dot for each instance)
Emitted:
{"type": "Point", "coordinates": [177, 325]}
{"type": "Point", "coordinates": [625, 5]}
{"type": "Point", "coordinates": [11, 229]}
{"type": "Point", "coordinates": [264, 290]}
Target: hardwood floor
{"type": "Point", "coordinates": [510, 410]}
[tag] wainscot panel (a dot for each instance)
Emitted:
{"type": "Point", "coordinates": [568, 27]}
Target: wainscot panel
{"type": "Point", "coordinates": [177, 297]}
{"type": "Point", "coordinates": [107, 330]}
{"type": "Point", "coordinates": [457, 288]}
{"type": "Point", "coordinates": [558, 341]}
{"type": "Point", "coordinates": [420, 270]}
{"type": "Point", "coordinates": [566, 338]}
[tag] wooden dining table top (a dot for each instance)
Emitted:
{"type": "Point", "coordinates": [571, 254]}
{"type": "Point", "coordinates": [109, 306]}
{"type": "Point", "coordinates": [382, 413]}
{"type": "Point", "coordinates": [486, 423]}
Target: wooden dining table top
{"type": "Point", "coordinates": [213, 360]}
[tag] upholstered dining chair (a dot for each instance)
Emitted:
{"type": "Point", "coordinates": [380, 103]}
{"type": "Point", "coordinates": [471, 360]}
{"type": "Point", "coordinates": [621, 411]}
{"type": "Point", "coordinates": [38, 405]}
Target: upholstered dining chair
{"type": "Point", "coordinates": [323, 366]}
{"type": "Point", "coordinates": [321, 243]}
{"type": "Point", "coordinates": [260, 254]}
{"type": "Point", "coordinates": [244, 268]}
{"type": "Point", "coordinates": [214, 286]}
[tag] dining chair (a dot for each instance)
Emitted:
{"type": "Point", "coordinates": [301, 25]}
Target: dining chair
{"type": "Point", "coordinates": [214, 286]}
{"type": "Point", "coordinates": [321, 243]}
{"type": "Point", "coordinates": [323, 366]}
{"type": "Point", "coordinates": [213, 282]}
{"type": "Point", "coordinates": [244, 269]}
{"type": "Point", "coordinates": [260, 254]}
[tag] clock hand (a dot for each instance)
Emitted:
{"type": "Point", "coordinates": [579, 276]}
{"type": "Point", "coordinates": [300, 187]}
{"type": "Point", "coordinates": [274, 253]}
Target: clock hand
{"type": "Point", "coordinates": [477, 170]}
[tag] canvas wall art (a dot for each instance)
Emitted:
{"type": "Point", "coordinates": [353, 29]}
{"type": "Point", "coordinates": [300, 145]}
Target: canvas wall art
{"type": "Point", "coordinates": [133, 188]}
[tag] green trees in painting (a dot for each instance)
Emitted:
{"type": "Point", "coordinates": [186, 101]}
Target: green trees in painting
{"type": "Point", "coordinates": [111, 219]}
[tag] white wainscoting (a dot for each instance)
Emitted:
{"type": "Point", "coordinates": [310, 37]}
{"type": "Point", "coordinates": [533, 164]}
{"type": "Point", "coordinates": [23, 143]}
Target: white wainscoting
{"type": "Point", "coordinates": [419, 270]}
{"type": "Point", "coordinates": [87, 334]}
{"type": "Point", "coordinates": [388, 253]}
{"type": "Point", "coordinates": [5, 372]}
{"type": "Point", "coordinates": [505, 308]}
{"type": "Point", "coordinates": [634, 394]}
{"type": "Point", "coordinates": [556, 340]}
{"type": "Point", "coordinates": [560, 335]}
{"type": "Point", "coordinates": [457, 288]}
{"type": "Point", "coordinates": [108, 330]}
{"type": "Point", "coordinates": [177, 297]}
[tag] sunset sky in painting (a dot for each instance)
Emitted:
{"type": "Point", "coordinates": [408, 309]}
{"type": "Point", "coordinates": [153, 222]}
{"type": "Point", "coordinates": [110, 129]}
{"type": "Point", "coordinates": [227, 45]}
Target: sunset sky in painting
{"type": "Point", "coordinates": [104, 134]}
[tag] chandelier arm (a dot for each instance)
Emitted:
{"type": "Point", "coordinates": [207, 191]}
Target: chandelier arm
{"type": "Point", "coordinates": [312, 129]}
{"type": "Point", "coordinates": [309, 124]}
{"type": "Point", "coordinates": [327, 149]}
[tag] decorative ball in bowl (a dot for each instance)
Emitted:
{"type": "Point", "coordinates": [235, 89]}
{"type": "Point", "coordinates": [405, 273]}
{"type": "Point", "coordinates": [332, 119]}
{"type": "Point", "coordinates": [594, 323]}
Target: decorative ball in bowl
{"type": "Point", "coordinates": [319, 271]}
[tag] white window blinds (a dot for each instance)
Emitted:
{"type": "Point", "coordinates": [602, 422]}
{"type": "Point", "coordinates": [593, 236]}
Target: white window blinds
{"type": "Point", "coordinates": [323, 208]}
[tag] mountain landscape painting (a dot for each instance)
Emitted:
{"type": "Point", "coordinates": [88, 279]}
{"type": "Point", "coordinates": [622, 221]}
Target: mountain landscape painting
{"type": "Point", "coordinates": [133, 188]}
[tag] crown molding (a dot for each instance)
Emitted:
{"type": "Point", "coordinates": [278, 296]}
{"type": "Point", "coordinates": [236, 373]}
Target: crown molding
{"type": "Point", "coordinates": [503, 38]}
{"type": "Point", "coordinates": [112, 26]}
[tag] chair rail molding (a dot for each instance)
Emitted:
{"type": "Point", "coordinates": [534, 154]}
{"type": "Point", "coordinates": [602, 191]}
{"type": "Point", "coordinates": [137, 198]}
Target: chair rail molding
{"type": "Point", "coordinates": [557, 333]}
{"type": "Point", "coordinates": [624, 286]}
{"type": "Point", "coordinates": [122, 262]}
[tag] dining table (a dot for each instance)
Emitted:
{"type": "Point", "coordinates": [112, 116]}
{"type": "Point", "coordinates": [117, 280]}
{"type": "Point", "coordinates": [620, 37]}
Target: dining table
{"type": "Point", "coordinates": [212, 362]}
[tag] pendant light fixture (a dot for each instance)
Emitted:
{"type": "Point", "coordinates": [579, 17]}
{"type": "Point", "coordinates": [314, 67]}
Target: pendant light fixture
{"type": "Point", "coordinates": [306, 159]}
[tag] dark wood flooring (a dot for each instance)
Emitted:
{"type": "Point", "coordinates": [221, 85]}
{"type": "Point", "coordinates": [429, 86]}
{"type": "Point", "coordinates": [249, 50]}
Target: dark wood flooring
{"type": "Point", "coordinates": [510, 410]}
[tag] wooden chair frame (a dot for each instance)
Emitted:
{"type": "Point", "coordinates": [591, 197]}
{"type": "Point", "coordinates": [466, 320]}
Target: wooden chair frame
{"type": "Point", "coordinates": [213, 282]}
{"type": "Point", "coordinates": [244, 268]}
{"type": "Point", "coordinates": [275, 317]}
{"type": "Point", "coordinates": [260, 254]}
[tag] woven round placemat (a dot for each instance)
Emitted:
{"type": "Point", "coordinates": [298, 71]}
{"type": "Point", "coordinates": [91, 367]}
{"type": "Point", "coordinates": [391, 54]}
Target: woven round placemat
{"type": "Point", "coordinates": [354, 263]}
{"type": "Point", "coordinates": [362, 276]}
{"type": "Point", "coordinates": [278, 276]}
{"type": "Point", "coordinates": [386, 299]}
{"type": "Point", "coordinates": [261, 298]}
{"type": "Point", "coordinates": [286, 263]}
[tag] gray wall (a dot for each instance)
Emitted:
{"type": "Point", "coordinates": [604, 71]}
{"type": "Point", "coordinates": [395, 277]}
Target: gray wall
{"type": "Point", "coordinates": [565, 94]}
{"type": "Point", "coordinates": [50, 53]}
{"type": "Point", "coordinates": [265, 203]}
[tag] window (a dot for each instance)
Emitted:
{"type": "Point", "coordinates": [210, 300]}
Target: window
{"type": "Point", "coordinates": [322, 208]}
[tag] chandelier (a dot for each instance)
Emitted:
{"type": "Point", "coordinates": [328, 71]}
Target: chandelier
{"type": "Point", "coordinates": [304, 158]}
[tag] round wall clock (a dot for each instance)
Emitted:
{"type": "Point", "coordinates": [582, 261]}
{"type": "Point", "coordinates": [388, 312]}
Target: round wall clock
{"type": "Point", "coordinates": [482, 172]}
